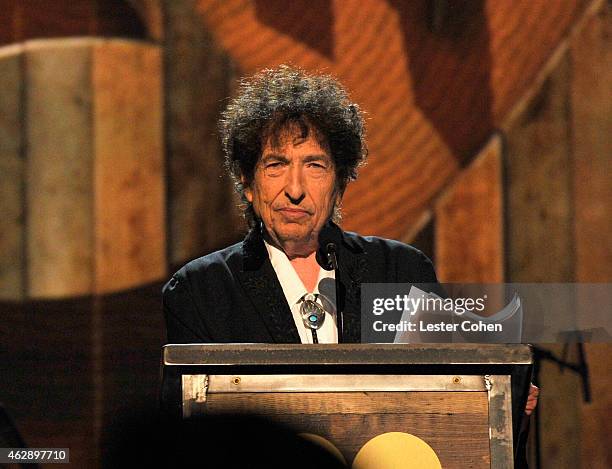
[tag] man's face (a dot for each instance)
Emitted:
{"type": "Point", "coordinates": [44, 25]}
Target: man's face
{"type": "Point", "coordinates": [294, 191]}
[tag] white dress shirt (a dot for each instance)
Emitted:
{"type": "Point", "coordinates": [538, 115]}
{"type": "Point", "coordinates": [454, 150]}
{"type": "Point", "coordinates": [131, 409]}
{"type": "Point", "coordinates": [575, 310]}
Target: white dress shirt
{"type": "Point", "coordinates": [294, 291]}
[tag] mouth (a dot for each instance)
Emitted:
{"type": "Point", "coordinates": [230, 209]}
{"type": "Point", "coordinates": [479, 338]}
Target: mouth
{"type": "Point", "coordinates": [293, 213]}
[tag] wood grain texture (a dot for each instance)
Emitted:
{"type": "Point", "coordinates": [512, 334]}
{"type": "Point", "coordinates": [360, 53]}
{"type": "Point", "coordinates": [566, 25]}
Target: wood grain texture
{"type": "Point", "coordinates": [119, 19]}
{"type": "Point", "coordinates": [95, 180]}
{"type": "Point", "coordinates": [59, 194]}
{"type": "Point", "coordinates": [591, 53]}
{"type": "Point", "coordinates": [591, 101]}
{"type": "Point", "coordinates": [22, 20]}
{"type": "Point", "coordinates": [56, 363]}
{"type": "Point", "coordinates": [130, 332]}
{"type": "Point", "coordinates": [49, 18]}
{"type": "Point", "coordinates": [458, 441]}
{"type": "Point", "coordinates": [12, 167]}
{"type": "Point", "coordinates": [151, 13]}
{"type": "Point", "coordinates": [46, 374]}
{"type": "Point", "coordinates": [432, 98]}
{"type": "Point", "coordinates": [202, 207]}
{"type": "Point", "coordinates": [8, 21]}
{"type": "Point", "coordinates": [560, 410]}
{"type": "Point", "coordinates": [454, 424]}
{"type": "Point", "coordinates": [540, 243]}
{"type": "Point", "coordinates": [469, 238]}
{"type": "Point", "coordinates": [595, 451]}
{"type": "Point", "coordinates": [538, 186]}
{"type": "Point", "coordinates": [128, 176]}
{"type": "Point", "coordinates": [424, 402]}
{"type": "Point", "coordinates": [422, 236]}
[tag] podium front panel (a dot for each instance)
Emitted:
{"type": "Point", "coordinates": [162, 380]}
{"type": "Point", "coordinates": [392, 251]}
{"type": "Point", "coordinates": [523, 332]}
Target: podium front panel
{"type": "Point", "coordinates": [349, 395]}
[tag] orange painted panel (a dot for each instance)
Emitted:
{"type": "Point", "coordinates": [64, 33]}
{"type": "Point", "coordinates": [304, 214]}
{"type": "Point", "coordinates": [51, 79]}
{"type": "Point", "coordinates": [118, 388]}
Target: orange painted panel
{"type": "Point", "coordinates": [432, 97]}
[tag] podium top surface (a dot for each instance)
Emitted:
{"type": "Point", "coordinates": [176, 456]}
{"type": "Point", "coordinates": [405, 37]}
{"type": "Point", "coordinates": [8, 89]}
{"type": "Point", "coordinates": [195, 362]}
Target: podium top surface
{"type": "Point", "coordinates": [346, 354]}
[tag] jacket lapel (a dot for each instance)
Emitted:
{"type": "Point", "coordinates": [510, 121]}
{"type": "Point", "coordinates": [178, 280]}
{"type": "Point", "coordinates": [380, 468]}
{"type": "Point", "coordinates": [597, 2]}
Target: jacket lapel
{"type": "Point", "coordinates": [261, 285]}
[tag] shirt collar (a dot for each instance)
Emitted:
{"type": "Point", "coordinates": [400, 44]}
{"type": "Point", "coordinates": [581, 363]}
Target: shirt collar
{"type": "Point", "coordinates": [292, 285]}
{"type": "Point", "coordinates": [290, 281]}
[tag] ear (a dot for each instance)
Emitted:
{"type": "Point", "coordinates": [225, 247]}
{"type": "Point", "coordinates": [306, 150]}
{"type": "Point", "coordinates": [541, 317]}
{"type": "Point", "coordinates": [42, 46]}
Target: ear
{"type": "Point", "coordinates": [248, 193]}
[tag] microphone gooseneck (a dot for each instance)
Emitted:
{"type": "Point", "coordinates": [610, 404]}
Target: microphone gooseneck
{"type": "Point", "coordinates": [330, 238]}
{"type": "Point", "coordinates": [332, 259]}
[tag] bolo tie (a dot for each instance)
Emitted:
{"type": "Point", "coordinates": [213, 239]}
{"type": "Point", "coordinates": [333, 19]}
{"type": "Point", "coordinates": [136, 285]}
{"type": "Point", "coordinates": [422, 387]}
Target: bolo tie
{"type": "Point", "coordinates": [313, 314]}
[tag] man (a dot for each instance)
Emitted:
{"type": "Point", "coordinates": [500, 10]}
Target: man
{"type": "Point", "coordinates": [292, 144]}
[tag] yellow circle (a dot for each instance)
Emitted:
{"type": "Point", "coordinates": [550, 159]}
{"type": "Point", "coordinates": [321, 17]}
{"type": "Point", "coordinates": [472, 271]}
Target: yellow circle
{"type": "Point", "coordinates": [396, 450]}
{"type": "Point", "coordinates": [324, 443]}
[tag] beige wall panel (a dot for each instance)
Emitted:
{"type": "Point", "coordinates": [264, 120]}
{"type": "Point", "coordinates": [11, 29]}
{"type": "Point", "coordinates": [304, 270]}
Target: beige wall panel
{"type": "Point", "coordinates": [129, 170]}
{"type": "Point", "coordinates": [469, 223]}
{"type": "Point", "coordinates": [591, 51]}
{"type": "Point", "coordinates": [12, 262]}
{"type": "Point", "coordinates": [59, 192]}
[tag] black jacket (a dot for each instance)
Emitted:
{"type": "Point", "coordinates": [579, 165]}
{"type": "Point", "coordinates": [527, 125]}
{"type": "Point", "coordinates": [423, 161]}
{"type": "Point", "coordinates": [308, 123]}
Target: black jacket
{"type": "Point", "coordinates": [233, 295]}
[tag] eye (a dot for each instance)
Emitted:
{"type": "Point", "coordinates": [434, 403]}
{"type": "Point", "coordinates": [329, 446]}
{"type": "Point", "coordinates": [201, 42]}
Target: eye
{"type": "Point", "coordinates": [274, 165]}
{"type": "Point", "coordinates": [274, 168]}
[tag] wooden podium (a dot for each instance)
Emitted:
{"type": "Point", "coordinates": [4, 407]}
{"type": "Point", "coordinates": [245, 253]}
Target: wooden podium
{"type": "Point", "coordinates": [465, 401]}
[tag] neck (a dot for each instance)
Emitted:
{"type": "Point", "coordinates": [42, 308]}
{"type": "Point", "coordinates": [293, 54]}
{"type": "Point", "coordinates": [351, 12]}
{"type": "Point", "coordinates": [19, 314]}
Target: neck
{"type": "Point", "coordinates": [299, 251]}
{"type": "Point", "coordinates": [294, 249]}
{"type": "Point", "coordinates": [307, 269]}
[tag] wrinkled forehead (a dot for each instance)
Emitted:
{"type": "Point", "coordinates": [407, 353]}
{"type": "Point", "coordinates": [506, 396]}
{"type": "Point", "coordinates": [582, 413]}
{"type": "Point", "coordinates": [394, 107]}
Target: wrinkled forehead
{"type": "Point", "coordinates": [291, 131]}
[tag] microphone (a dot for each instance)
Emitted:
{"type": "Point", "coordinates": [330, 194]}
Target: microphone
{"type": "Point", "coordinates": [329, 239]}
{"type": "Point", "coordinates": [327, 258]}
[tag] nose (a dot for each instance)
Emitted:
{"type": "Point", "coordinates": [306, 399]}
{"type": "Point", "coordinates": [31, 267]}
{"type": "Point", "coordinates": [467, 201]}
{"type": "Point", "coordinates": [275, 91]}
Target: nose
{"type": "Point", "coordinates": [294, 186]}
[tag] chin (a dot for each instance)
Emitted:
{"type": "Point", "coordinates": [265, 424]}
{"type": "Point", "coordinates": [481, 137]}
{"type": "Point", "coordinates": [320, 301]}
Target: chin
{"type": "Point", "coordinates": [295, 235]}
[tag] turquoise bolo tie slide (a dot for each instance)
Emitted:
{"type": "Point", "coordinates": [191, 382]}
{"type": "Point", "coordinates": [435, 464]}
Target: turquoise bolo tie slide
{"type": "Point", "coordinates": [313, 314]}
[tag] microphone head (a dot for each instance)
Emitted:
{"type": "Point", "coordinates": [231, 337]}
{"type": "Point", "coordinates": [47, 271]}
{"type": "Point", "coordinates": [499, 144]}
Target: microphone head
{"type": "Point", "coordinates": [329, 240]}
{"type": "Point", "coordinates": [323, 259]}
